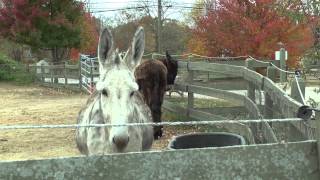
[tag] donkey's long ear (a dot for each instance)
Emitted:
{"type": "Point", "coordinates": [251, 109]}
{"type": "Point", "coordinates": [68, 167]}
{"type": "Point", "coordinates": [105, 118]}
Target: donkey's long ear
{"type": "Point", "coordinates": [137, 48]}
{"type": "Point", "coordinates": [105, 46]}
{"type": "Point", "coordinates": [168, 55]}
{"type": "Point", "coordinates": [170, 59]}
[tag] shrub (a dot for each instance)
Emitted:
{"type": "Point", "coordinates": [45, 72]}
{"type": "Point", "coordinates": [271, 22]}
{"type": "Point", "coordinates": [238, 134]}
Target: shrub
{"type": "Point", "coordinates": [11, 70]}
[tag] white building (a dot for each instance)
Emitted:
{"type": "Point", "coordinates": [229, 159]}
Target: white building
{"type": "Point", "coordinates": [42, 63]}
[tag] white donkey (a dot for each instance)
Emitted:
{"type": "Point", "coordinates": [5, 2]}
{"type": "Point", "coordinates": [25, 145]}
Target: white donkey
{"type": "Point", "coordinates": [116, 101]}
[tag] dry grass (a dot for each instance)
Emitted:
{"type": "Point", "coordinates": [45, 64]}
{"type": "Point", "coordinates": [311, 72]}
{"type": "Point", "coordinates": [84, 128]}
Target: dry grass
{"type": "Point", "coordinates": [39, 105]}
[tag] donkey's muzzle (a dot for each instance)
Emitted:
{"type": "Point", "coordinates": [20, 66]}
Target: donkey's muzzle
{"type": "Point", "coordinates": [120, 141]}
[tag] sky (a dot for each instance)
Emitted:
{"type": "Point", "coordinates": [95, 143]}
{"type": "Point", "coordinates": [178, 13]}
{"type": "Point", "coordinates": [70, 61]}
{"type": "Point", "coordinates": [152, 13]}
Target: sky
{"type": "Point", "coordinates": [180, 7]}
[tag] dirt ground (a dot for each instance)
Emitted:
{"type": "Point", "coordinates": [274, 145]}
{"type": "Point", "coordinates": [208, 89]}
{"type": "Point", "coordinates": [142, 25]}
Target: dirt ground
{"type": "Point", "coordinates": [39, 105]}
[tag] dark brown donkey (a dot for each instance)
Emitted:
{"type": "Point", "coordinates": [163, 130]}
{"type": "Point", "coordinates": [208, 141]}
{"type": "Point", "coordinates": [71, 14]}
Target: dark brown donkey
{"type": "Point", "coordinates": [172, 67]}
{"type": "Point", "coordinates": [153, 76]}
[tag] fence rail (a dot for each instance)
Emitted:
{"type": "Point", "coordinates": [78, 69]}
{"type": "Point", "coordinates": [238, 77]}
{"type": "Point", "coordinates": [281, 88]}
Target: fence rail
{"type": "Point", "coordinates": [275, 98]}
{"type": "Point", "coordinates": [283, 161]}
{"type": "Point", "coordinates": [87, 72]}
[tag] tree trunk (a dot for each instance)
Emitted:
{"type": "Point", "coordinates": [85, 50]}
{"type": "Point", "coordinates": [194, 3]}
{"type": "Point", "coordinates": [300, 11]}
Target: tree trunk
{"type": "Point", "coordinates": [57, 55]}
{"type": "Point", "coordinates": [54, 61]}
{"type": "Point", "coordinates": [17, 53]}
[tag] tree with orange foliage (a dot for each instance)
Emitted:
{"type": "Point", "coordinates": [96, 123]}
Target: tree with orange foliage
{"type": "Point", "coordinates": [249, 27]}
{"type": "Point", "coordinates": [89, 37]}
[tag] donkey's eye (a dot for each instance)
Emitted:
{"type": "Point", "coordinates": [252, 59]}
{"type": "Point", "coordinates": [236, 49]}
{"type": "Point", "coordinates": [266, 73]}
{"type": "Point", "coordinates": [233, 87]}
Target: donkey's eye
{"type": "Point", "coordinates": [132, 93]}
{"type": "Point", "coordinates": [104, 92]}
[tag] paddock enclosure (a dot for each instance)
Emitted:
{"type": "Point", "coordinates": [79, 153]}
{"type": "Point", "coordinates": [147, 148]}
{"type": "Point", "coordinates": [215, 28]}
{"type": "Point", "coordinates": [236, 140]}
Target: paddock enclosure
{"type": "Point", "coordinates": [282, 142]}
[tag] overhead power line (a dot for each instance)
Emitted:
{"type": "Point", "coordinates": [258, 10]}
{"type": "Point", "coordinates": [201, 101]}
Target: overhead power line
{"type": "Point", "coordinates": [130, 2]}
{"type": "Point", "coordinates": [117, 2]}
{"type": "Point", "coordinates": [118, 9]}
{"type": "Point", "coordinates": [100, 10]}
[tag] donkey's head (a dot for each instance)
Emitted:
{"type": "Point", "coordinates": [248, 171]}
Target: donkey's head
{"type": "Point", "coordinates": [172, 66]}
{"type": "Point", "coordinates": [117, 86]}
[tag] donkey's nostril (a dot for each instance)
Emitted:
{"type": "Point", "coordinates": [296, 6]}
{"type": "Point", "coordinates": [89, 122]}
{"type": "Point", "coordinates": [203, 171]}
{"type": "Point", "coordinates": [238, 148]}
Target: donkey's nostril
{"type": "Point", "coordinates": [120, 141]}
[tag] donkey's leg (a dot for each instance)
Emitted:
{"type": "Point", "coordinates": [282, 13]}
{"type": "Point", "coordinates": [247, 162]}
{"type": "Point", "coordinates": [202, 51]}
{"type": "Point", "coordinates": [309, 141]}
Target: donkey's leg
{"type": "Point", "coordinates": [97, 142]}
{"type": "Point", "coordinates": [155, 106]}
{"type": "Point", "coordinates": [147, 138]}
{"type": "Point", "coordinates": [156, 115]}
{"type": "Point", "coordinates": [158, 95]}
{"type": "Point", "coordinates": [81, 135]}
{"type": "Point", "coordinates": [81, 140]}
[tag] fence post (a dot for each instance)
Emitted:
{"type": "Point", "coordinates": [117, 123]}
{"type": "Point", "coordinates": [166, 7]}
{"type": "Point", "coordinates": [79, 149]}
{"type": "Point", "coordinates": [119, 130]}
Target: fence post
{"type": "Point", "coordinates": [28, 67]}
{"type": "Point", "coordinates": [190, 94]}
{"type": "Point", "coordinates": [251, 88]}
{"type": "Point", "coordinates": [318, 133]}
{"type": "Point", "coordinates": [65, 74]}
{"type": "Point", "coordinates": [283, 75]}
{"type": "Point", "coordinates": [91, 76]}
{"type": "Point", "coordinates": [295, 94]}
{"type": "Point", "coordinates": [252, 95]}
{"type": "Point", "coordinates": [42, 73]}
{"type": "Point", "coordinates": [51, 72]}
{"type": "Point", "coordinates": [80, 76]}
{"type": "Point", "coordinates": [268, 103]}
{"type": "Point", "coordinates": [268, 106]}
{"type": "Point", "coordinates": [272, 73]}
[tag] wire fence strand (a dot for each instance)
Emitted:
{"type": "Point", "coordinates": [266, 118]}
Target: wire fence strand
{"type": "Point", "coordinates": [270, 63]}
{"type": "Point", "coordinates": [189, 123]}
{"type": "Point", "coordinates": [299, 89]}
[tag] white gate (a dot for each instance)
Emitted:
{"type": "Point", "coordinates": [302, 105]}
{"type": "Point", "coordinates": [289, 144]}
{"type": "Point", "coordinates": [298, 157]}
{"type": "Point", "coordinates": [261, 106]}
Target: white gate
{"type": "Point", "coordinates": [89, 72]}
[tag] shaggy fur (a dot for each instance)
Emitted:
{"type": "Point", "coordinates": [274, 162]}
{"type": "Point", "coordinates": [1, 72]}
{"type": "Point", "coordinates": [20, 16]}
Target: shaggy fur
{"type": "Point", "coordinates": [116, 101]}
{"type": "Point", "coordinates": [172, 68]}
{"type": "Point", "coordinates": [153, 78]}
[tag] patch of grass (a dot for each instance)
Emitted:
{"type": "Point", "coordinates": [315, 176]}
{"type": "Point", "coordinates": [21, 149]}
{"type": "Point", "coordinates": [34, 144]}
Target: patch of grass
{"type": "Point", "coordinates": [198, 103]}
{"type": "Point", "coordinates": [169, 116]}
{"type": "Point", "coordinates": [202, 103]}
{"type": "Point", "coordinates": [11, 70]}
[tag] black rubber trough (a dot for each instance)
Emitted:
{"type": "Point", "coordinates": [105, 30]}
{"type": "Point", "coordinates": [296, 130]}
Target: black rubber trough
{"type": "Point", "coordinates": [203, 140]}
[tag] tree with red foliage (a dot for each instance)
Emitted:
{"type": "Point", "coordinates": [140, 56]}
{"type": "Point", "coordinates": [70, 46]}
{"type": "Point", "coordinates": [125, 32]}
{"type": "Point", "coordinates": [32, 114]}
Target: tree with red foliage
{"type": "Point", "coordinates": [42, 24]}
{"type": "Point", "coordinates": [246, 27]}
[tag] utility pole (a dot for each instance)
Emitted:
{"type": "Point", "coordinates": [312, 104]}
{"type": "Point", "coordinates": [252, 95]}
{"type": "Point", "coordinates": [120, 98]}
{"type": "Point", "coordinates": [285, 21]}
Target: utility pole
{"type": "Point", "coordinates": [89, 6]}
{"type": "Point", "coordinates": [159, 32]}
